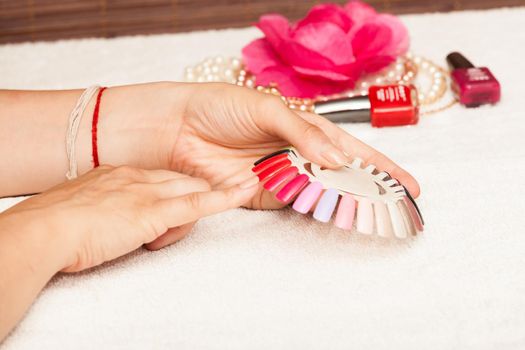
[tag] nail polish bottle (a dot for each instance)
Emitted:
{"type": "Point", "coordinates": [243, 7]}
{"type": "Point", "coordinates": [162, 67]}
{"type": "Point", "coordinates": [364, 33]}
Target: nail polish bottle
{"type": "Point", "coordinates": [389, 105]}
{"type": "Point", "coordinates": [473, 86]}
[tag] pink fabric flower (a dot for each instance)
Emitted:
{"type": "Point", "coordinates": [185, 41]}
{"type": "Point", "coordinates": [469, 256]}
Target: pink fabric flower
{"type": "Point", "coordinates": [325, 52]}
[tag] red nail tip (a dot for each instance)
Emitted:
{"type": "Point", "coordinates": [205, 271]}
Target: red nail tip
{"type": "Point", "coordinates": [268, 162]}
{"type": "Point", "coordinates": [292, 188]}
{"type": "Point", "coordinates": [279, 178]}
{"type": "Point", "coordinates": [274, 168]}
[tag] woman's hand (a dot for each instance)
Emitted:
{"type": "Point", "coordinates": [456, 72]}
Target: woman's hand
{"type": "Point", "coordinates": [109, 211]}
{"type": "Point", "coordinates": [225, 128]}
{"type": "Point", "coordinates": [100, 216]}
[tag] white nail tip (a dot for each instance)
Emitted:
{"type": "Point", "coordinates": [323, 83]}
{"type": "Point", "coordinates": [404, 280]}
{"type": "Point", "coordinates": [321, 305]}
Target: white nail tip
{"type": "Point", "coordinates": [365, 216]}
{"type": "Point", "coordinates": [398, 224]}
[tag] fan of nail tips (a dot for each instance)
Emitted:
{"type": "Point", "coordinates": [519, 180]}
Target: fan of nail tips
{"type": "Point", "coordinates": [363, 199]}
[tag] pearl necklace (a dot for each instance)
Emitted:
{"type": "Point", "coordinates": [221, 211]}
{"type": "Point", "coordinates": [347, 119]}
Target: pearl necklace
{"type": "Point", "coordinates": [404, 70]}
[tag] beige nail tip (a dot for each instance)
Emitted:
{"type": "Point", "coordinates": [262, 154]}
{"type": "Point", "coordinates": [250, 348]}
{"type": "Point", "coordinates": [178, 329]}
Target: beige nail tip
{"type": "Point", "coordinates": [382, 219]}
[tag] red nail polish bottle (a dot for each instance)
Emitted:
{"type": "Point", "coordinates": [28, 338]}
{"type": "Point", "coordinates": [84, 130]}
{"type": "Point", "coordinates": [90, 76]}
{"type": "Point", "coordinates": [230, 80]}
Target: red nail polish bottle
{"type": "Point", "coordinates": [393, 105]}
{"type": "Point", "coordinates": [473, 86]}
{"type": "Point", "coordinates": [389, 105]}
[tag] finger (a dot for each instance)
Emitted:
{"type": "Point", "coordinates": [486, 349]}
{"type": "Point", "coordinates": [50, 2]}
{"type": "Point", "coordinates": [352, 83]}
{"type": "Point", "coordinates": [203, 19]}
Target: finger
{"type": "Point", "coordinates": [171, 236]}
{"type": "Point", "coordinates": [356, 148]}
{"type": "Point", "coordinates": [178, 187]}
{"type": "Point", "coordinates": [191, 207]}
{"type": "Point", "coordinates": [162, 175]}
{"type": "Point", "coordinates": [132, 174]}
{"type": "Point", "coordinates": [273, 117]}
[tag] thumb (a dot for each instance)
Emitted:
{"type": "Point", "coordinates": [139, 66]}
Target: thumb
{"type": "Point", "coordinates": [193, 206]}
{"type": "Point", "coordinates": [275, 118]}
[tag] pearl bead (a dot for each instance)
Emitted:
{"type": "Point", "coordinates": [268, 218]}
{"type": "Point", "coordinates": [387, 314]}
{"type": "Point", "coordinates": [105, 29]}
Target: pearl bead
{"type": "Point", "coordinates": [190, 77]}
{"type": "Point", "coordinates": [200, 79]}
{"type": "Point", "coordinates": [198, 68]}
{"type": "Point", "coordinates": [219, 59]}
{"type": "Point", "coordinates": [364, 84]}
{"type": "Point", "coordinates": [236, 63]}
{"type": "Point", "coordinates": [228, 73]}
{"type": "Point", "coordinates": [206, 70]}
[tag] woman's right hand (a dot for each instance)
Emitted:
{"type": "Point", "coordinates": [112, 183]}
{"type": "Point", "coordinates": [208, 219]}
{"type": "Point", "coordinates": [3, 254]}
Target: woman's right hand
{"type": "Point", "coordinates": [109, 212]}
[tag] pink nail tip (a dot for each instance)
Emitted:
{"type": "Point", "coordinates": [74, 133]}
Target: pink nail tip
{"type": "Point", "coordinates": [345, 212]}
{"type": "Point", "coordinates": [414, 215]}
{"type": "Point", "coordinates": [291, 188]}
{"type": "Point", "coordinates": [308, 197]}
{"type": "Point", "coordinates": [279, 178]}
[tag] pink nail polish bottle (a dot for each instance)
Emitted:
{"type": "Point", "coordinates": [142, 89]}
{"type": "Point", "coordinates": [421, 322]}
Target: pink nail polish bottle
{"type": "Point", "coordinates": [473, 86]}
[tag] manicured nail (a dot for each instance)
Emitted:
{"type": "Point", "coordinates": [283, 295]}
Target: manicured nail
{"type": "Point", "coordinates": [292, 188]}
{"type": "Point", "coordinates": [270, 161]}
{"type": "Point", "coordinates": [307, 198]}
{"type": "Point", "coordinates": [274, 169]}
{"type": "Point", "coordinates": [335, 157]}
{"type": "Point", "coordinates": [345, 212]}
{"type": "Point", "coordinates": [280, 178]}
{"type": "Point", "coordinates": [326, 206]}
{"type": "Point", "coordinates": [252, 181]}
{"type": "Point", "coordinates": [365, 216]}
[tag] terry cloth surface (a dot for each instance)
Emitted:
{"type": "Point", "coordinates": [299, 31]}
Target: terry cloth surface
{"type": "Point", "coordinates": [279, 280]}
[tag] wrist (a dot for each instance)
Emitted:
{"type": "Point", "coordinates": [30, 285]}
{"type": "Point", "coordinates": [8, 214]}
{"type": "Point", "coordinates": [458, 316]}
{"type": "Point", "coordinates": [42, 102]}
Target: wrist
{"type": "Point", "coordinates": [34, 241]}
{"type": "Point", "coordinates": [138, 125]}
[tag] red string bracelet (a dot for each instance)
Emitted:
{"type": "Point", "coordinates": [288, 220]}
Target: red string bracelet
{"type": "Point", "coordinates": [94, 125]}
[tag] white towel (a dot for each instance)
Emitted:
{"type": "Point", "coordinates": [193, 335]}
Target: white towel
{"type": "Point", "coordinates": [279, 280]}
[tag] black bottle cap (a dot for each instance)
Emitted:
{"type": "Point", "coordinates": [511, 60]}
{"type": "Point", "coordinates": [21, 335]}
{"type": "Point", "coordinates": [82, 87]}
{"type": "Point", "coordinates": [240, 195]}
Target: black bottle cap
{"type": "Point", "coordinates": [456, 60]}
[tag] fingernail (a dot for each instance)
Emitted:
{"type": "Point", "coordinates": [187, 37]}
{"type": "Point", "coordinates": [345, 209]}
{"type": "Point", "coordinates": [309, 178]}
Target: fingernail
{"type": "Point", "coordinates": [252, 181]}
{"type": "Point", "coordinates": [335, 157]}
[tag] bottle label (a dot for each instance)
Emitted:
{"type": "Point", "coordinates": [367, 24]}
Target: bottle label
{"type": "Point", "coordinates": [392, 94]}
{"type": "Point", "coordinates": [476, 74]}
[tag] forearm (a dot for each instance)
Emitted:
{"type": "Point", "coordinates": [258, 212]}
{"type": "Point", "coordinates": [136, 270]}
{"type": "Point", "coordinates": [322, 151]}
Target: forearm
{"type": "Point", "coordinates": [29, 257]}
{"type": "Point", "coordinates": [133, 129]}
